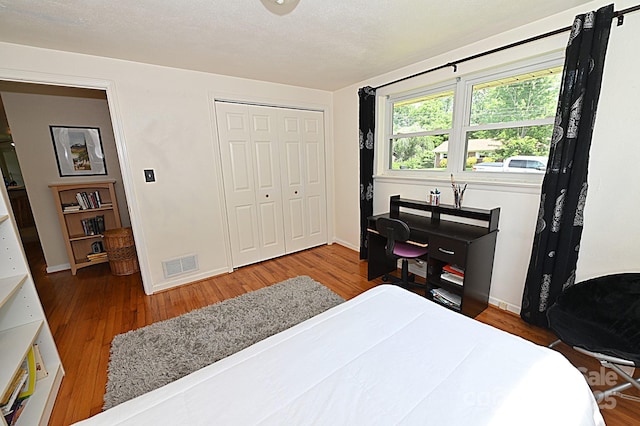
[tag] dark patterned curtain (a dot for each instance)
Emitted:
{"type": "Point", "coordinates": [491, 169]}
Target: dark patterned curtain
{"type": "Point", "coordinates": [564, 190]}
{"type": "Point", "coordinates": [367, 125]}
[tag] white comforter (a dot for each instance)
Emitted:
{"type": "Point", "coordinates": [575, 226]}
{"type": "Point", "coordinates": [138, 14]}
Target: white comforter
{"type": "Point", "coordinates": [385, 357]}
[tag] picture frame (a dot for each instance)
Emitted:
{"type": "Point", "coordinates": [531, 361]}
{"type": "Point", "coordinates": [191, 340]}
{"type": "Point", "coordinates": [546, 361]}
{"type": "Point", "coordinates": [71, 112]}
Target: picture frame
{"type": "Point", "coordinates": [78, 151]}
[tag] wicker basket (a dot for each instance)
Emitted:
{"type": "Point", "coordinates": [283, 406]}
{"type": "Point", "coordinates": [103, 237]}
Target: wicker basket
{"type": "Point", "coordinates": [121, 250]}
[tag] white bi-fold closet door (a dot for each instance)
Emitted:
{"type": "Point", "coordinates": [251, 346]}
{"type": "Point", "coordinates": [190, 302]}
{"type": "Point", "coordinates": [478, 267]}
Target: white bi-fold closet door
{"type": "Point", "coordinates": [273, 166]}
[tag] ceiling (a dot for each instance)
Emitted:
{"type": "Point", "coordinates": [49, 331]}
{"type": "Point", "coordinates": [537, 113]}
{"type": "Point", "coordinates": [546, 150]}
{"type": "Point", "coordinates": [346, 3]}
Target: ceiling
{"type": "Point", "coordinates": [322, 44]}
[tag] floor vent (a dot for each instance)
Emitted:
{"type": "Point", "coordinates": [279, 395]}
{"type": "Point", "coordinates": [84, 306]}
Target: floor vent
{"type": "Point", "coordinates": [180, 265]}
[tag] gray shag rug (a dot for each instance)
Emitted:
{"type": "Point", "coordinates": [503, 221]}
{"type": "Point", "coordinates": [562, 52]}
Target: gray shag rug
{"type": "Point", "coordinates": [150, 357]}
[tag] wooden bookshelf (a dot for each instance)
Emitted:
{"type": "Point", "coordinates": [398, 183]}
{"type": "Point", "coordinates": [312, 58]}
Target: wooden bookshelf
{"type": "Point", "coordinates": [84, 218]}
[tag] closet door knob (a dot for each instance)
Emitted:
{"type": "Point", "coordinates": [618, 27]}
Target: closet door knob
{"type": "Point", "coordinates": [267, 196]}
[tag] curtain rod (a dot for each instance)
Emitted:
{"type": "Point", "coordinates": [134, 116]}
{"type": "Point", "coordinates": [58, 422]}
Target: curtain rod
{"type": "Point", "coordinates": [620, 15]}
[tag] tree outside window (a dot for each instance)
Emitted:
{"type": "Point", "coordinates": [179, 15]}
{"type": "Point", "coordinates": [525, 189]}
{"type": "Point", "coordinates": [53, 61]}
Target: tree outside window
{"type": "Point", "coordinates": [517, 112]}
{"type": "Point", "coordinates": [419, 126]}
{"type": "Point", "coordinates": [506, 115]}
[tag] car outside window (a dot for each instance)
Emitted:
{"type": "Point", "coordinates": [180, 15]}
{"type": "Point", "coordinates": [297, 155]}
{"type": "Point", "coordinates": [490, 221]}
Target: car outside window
{"type": "Point", "coordinates": [516, 114]}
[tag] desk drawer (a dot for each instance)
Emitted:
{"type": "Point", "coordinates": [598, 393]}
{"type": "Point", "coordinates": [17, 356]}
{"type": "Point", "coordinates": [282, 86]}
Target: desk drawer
{"type": "Point", "coordinates": [448, 250]}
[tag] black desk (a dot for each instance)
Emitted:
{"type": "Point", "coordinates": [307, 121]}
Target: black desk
{"type": "Point", "coordinates": [469, 247]}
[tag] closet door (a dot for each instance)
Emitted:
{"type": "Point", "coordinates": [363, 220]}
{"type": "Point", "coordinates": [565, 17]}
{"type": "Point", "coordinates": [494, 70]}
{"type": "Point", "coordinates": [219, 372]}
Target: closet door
{"type": "Point", "coordinates": [303, 178]}
{"type": "Point", "coordinates": [249, 147]}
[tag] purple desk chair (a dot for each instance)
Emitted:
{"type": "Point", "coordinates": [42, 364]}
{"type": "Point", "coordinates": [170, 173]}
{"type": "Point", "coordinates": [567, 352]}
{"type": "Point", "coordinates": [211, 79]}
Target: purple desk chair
{"type": "Point", "coordinates": [397, 233]}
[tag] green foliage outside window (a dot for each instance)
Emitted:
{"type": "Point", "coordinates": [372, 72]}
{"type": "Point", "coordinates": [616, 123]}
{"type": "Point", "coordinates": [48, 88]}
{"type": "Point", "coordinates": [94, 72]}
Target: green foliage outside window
{"type": "Point", "coordinates": [521, 98]}
{"type": "Point", "coordinates": [423, 123]}
{"type": "Point", "coordinates": [431, 114]}
{"type": "Point", "coordinates": [416, 152]}
{"type": "Point", "coordinates": [423, 114]}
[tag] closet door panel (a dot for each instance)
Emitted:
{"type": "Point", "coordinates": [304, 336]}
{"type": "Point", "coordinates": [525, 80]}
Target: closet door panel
{"type": "Point", "coordinates": [264, 136]}
{"type": "Point", "coordinates": [240, 167]}
{"type": "Point", "coordinates": [264, 167]}
{"type": "Point", "coordinates": [296, 220]}
{"type": "Point", "coordinates": [246, 235]}
{"type": "Point", "coordinates": [269, 217]}
{"type": "Point", "coordinates": [293, 165]}
{"type": "Point", "coordinates": [313, 163]}
{"type": "Point", "coordinates": [292, 180]}
{"type": "Point", "coordinates": [237, 168]}
{"type": "Point", "coordinates": [314, 183]}
{"type": "Point", "coordinates": [315, 218]}
{"type": "Point", "coordinates": [293, 197]}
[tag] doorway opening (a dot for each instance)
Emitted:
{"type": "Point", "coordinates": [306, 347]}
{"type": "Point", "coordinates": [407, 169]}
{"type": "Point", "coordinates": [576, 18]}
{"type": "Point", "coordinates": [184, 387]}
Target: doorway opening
{"type": "Point", "coordinates": [29, 163]}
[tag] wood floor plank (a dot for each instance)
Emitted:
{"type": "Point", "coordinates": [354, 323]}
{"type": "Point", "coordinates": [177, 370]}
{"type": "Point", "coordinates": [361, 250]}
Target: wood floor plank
{"type": "Point", "coordinates": [86, 311]}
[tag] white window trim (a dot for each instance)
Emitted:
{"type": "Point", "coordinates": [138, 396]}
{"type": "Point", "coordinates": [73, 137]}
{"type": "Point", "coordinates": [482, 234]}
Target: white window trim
{"type": "Point", "coordinates": [462, 108]}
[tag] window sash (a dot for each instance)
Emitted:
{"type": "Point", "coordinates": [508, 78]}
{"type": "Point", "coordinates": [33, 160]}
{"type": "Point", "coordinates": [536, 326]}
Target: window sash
{"type": "Point", "coordinates": [457, 135]}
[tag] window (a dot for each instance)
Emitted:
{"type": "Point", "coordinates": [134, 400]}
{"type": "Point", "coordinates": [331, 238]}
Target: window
{"type": "Point", "coordinates": [419, 127]}
{"type": "Point", "coordinates": [498, 122]}
{"type": "Point", "coordinates": [510, 117]}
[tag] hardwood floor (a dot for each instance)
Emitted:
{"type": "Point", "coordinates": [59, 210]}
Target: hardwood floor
{"type": "Point", "coordinates": [86, 311]}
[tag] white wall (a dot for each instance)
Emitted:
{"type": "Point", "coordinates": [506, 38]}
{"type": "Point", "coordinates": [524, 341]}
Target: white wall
{"type": "Point", "coordinates": [346, 169]}
{"type": "Point", "coordinates": [163, 119]}
{"type": "Point", "coordinates": [611, 237]}
{"type": "Point", "coordinates": [29, 116]}
{"type": "Point", "coordinates": [612, 232]}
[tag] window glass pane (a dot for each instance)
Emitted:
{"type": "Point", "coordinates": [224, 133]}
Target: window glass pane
{"type": "Point", "coordinates": [419, 152]}
{"type": "Point", "coordinates": [523, 97]}
{"type": "Point", "coordinates": [517, 149]}
{"type": "Point", "coordinates": [427, 113]}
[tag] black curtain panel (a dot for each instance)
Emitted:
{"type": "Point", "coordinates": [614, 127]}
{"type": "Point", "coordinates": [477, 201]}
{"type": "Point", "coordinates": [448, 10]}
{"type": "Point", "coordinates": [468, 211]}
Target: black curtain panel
{"type": "Point", "coordinates": [564, 190]}
{"type": "Point", "coordinates": [367, 126]}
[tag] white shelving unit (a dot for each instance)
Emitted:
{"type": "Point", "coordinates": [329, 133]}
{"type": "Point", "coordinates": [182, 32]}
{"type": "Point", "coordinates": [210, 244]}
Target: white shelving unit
{"type": "Point", "coordinates": [23, 323]}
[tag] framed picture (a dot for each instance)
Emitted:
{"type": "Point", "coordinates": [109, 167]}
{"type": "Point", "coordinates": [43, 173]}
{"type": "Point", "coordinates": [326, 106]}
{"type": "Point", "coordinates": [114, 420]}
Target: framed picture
{"type": "Point", "coordinates": [78, 151]}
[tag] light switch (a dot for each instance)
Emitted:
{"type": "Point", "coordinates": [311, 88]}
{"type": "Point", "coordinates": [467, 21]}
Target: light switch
{"type": "Point", "coordinates": [149, 175]}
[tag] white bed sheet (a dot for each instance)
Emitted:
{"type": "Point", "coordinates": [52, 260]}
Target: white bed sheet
{"type": "Point", "coordinates": [385, 357]}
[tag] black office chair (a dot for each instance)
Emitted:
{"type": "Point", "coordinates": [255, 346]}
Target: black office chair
{"type": "Point", "coordinates": [397, 233]}
{"type": "Point", "coordinates": [600, 317]}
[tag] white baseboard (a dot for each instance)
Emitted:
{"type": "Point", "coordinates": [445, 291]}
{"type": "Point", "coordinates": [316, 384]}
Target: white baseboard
{"type": "Point", "coordinates": [505, 306]}
{"type": "Point", "coordinates": [345, 244]}
{"type": "Point", "coordinates": [188, 279]}
{"type": "Point", "coordinates": [58, 268]}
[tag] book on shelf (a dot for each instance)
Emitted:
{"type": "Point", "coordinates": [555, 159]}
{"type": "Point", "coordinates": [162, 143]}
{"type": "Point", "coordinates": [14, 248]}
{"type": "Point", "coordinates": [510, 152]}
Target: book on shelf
{"type": "Point", "coordinates": [11, 395]}
{"type": "Point", "coordinates": [41, 369]}
{"type": "Point", "coordinates": [29, 364]}
{"type": "Point", "coordinates": [452, 269]}
{"type": "Point", "coordinates": [452, 278]}
{"type": "Point", "coordinates": [81, 201]}
{"type": "Point", "coordinates": [93, 225]}
{"type": "Point", "coordinates": [97, 256]}
{"type": "Point", "coordinates": [22, 387]}
{"type": "Point", "coordinates": [89, 200]}
{"type": "Point", "coordinates": [16, 411]}
{"type": "Point", "coordinates": [446, 297]}
{"type": "Point", "coordinates": [70, 207]}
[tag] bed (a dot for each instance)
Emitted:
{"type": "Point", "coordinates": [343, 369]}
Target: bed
{"type": "Point", "coordinates": [387, 356]}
